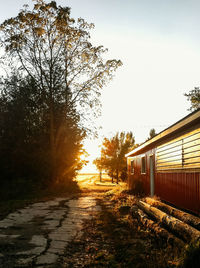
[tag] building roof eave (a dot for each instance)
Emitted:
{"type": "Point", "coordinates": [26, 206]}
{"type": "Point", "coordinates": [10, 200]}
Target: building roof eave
{"type": "Point", "coordinates": [187, 120]}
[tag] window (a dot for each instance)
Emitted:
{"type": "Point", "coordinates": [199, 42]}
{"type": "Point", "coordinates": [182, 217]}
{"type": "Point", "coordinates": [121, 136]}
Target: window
{"type": "Point", "coordinates": [143, 165]}
{"type": "Point", "coordinates": [132, 167]}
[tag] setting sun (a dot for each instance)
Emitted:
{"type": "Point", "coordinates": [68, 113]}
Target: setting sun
{"type": "Point", "coordinates": [92, 147]}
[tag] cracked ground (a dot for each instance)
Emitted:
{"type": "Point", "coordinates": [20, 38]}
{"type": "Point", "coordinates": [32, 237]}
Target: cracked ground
{"type": "Point", "coordinates": [38, 234]}
{"type": "Point", "coordinates": [83, 231]}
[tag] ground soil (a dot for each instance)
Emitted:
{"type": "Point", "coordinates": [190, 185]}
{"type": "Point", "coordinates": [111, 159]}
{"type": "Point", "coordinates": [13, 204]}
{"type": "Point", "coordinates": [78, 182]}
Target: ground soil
{"type": "Point", "coordinates": [111, 239]}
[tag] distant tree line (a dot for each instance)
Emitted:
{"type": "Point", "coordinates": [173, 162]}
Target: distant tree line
{"type": "Point", "coordinates": [49, 93]}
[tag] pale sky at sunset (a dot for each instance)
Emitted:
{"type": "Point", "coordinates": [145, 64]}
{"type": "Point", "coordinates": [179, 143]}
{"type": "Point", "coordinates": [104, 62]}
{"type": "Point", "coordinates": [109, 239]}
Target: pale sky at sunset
{"type": "Point", "coordinates": [158, 42]}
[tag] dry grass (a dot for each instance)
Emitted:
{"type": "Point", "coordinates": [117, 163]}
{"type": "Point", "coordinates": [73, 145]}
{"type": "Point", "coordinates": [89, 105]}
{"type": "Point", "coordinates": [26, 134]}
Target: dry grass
{"type": "Point", "coordinates": [91, 182]}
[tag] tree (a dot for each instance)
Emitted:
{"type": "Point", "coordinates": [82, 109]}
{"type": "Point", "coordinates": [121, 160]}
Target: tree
{"type": "Point", "coordinates": [113, 154]}
{"type": "Point", "coordinates": [68, 71]}
{"type": "Point", "coordinates": [194, 97]}
{"type": "Point", "coordinates": [98, 163]}
{"type": "Point", "coordinates": [152, 133]}
{"type": "Point", "coordinates": [24, 131]}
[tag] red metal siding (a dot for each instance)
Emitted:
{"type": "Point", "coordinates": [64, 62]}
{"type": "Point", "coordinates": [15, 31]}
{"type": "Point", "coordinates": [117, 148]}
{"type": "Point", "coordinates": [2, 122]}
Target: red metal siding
{"type": "Point", "coordinates": [181, 189]}
{"type": "Point", "coordinates": [144, 178]}
{"type": "Point", "coordinates": [177, 168]}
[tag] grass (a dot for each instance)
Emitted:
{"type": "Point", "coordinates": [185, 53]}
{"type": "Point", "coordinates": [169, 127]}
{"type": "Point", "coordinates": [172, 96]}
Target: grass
{"type": "Point", "coordinates": [110, 240]}
{"type": "Point", "coordinates": [20, 200]}
{"type": "Point", "coordinates": [17, 201]}
{"type": "Point", "coordinates": [9, 206]}
{"type": "Point", "coordinates": [191, 256]}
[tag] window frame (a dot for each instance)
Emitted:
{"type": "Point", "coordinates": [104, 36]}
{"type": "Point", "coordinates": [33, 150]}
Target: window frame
{"type": "Point", "coordinates": [143, 168]}
{"type": "Point", "coordinates": [132, 167]}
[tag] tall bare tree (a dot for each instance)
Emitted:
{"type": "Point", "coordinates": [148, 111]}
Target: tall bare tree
{"type": "Point", "coordinates": [55, 51]}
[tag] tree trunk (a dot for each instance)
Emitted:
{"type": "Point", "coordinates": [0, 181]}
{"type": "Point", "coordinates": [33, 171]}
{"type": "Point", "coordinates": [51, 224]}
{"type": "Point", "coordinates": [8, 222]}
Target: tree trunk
{"type": "Point", "coordinates": [52, 140]}
{"type": "Point", "coordinates": [185, 231]}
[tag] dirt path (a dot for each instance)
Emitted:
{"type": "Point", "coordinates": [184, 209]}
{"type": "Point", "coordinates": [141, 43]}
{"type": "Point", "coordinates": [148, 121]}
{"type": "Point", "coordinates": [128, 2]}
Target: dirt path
{"type": "Point", "coordinates": [38, 234]}
{"type": "Point", "coordinates": [112, 240]}
{"type": "Point", "coordinates": [85, 231]}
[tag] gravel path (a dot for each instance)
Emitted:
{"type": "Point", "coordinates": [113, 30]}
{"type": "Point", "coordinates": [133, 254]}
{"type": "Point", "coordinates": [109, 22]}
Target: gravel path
{"type": "Point", "coordinates": [37, 235]}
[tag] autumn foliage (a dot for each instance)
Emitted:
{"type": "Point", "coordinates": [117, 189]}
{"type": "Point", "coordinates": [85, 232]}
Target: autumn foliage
{"type": "Point", "coordinates": [113, 151]}
{"type": "Point", "coordinates": [49, 93]}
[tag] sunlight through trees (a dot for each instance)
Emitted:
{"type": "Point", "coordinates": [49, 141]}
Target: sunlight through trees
{"type": "Point", "coordinates": [54, 76]}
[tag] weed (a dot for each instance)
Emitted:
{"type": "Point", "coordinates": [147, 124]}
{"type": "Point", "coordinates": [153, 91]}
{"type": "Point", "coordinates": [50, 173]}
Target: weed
{"type": "Point", "coordinates": [191, 256]}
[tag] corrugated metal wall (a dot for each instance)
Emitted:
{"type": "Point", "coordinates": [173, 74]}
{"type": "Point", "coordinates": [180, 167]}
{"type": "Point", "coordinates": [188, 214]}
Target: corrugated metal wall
{"type": "Point", "coordinates": [181, 189]}
{"type": "Point", "coordinates": [144, 178]}
{"type": "Point", "coordinates": [177, 177]}
{"type": "Point", "coordinates": [180, 153]}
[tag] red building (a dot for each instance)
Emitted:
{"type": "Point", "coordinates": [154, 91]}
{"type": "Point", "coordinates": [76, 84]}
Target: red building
{"type": "Point", "coordinates": [168, 165]}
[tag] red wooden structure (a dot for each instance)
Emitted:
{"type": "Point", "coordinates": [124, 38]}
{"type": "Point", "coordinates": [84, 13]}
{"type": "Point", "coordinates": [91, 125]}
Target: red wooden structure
{"type": "Point", "coordinates": [168, 165]}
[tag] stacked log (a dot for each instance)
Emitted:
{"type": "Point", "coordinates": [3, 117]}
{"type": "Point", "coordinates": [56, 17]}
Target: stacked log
{"type": "Point", "coordinates": [181, 215]}
{"type": "Point", "coordinates": [158, 230]}
{"type": "Point", "coordinates": [176, 226]}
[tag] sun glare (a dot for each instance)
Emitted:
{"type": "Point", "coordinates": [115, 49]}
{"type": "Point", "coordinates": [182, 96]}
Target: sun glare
{"type": "Point", "coordinates": [92, 152]}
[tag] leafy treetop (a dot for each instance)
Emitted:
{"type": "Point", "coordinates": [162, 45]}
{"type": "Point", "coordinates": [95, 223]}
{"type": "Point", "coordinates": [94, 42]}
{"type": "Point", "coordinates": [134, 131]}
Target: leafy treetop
{"type": "Point", "coordinates": [55, 50]}
{"type": "Point", "coordinates": [194, 97]}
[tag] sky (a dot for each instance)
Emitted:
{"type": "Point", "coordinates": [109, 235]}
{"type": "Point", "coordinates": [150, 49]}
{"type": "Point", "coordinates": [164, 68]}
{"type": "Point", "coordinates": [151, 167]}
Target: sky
{"type": "Point", "coordinates": [159, 44]}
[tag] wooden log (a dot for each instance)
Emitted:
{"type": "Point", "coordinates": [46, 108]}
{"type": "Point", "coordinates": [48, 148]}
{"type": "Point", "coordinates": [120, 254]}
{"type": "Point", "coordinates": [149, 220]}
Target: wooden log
{"type": "Point", "coordinates": [181, 215]}
{"type": "Point", "coordinates": [160, 232]}
{"type": "Point", "coordinates": [178, 227]}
